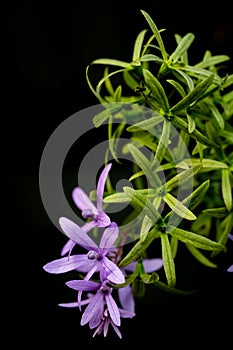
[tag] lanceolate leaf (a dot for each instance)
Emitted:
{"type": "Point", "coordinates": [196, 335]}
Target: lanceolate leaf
{"type": "Point", "coordinates": [147, 124]}
{"type": "Point", "coordinates": [182, 47]}
{"type": "Point", "coordinates": [168, 262]}
{"type": "Point", "coordinates": [145, 165]}
{"type": "Point", "coordinates": [195, 239]}
{"type": "Point", "coordinates": [139, 248]}
{"type": "Point", "coordinates": [157, 90]}
{"type": "Point", "coordinates": [163, 143]}
{"type": "Point", "coordinates": [197, 135]}
{"type": "Point", "coordinates": [141, 202]}
{"type": "Point", "coordinates": [173, 290]}
{"type": "Point", "coordinates": [156, 34]}
{"type": "Point", "coordinates": [183, 177]}
{"type": "Point", "coordinates": [138, 45]}
{"type": "Point", "coordinates": [200, 256]}
{"type": "Point", "coordinates": [193, 95]}
{"type": "Point", "coordinates": [178, 208]}
{"type": "Point", "coordinates": [226, 189]}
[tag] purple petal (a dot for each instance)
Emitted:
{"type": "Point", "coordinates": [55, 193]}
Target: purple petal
{"type": "Point", "coordinates": [67, 248]}
{"type": "Point", "coordinates": [66, 264]}
{"type": "Point", "coordinates": [126, 298]}
{"type": "Point", "coordinates": [230, 236]}
{"type": "Point", "coordinates": [126, 313]}
{"type": "Point", "coordinates": [116, 330]}
{"type": "Point", "coordinates": [88, 226]}
{"type": "Point", "coordinates": [113, 309]}
{"type": "Point", "coordinates": [102, 219]}
{"type": "Point", "coordinates": [94, 310]}
{"type": "Point", "coordinates": [83, 285]}
{"type": "Point", "coordinates": [82, 201]}
{"type": "Point", "coordinates": [114, 274]}
{"type": "Point", "coordinates": [151, 265]}
{"type": "Point", "coordinates": [109, 237]}
{"type": "Point", "coordinates": [230, 268]}
{"type": "Point", "coordinates": [101, 185]}
{"type": "Point", "coordinates": [76, 234]}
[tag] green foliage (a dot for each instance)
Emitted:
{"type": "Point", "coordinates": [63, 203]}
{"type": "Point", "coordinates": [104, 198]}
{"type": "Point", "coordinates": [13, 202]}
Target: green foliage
{"type": "Point", "coordinates": [195, 102]}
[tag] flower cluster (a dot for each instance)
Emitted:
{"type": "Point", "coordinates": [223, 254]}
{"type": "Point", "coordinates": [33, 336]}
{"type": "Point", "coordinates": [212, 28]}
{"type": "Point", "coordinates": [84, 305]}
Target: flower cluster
{"type": "Point", "coordinates": [101, 309]}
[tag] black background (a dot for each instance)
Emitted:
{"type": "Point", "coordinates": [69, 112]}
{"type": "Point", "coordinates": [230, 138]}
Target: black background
{"type": "Point", "coordinates": [46, 48]}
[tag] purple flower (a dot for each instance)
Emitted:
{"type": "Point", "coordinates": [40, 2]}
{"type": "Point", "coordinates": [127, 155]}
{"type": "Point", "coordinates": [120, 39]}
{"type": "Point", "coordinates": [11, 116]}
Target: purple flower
{"type": "Point", "coordinates": [125, 294]}
{"type": "Point", "coordinates": [107, 320]}
{"type": "Point", "coordinates": [230, 268]}
{"type": "Point", "coordinates": [95, 260]}
{"type": "Point", "coordinates": [102, 309]}
{"type": "Point", "coordinates": [89, 211]}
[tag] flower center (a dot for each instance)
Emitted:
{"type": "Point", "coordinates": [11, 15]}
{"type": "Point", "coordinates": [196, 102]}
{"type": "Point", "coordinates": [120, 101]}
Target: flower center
{"type": "Point", "coordinates": [88, 214]}
{"type": "Point", "coordinates": [92, 255]}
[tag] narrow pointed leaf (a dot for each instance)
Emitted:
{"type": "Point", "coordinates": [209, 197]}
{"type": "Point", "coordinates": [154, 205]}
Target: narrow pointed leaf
{"type": "Point", "coordinates": [145, 165]}
{"type": "Point", "coordinates": [183, 177]}
{"type": "Point", "coordinates": [138, 45]}
{"type": "Point", "coordinates": [195, 239]}
{"type": "Point", "coordinates": [156, 34]}
{"type": "Point", "coordinates": [193, 95]}
{"type": "Point", "coordinates": [168, 262]}
{"type": "Point", "coordinates": [163, 143]}
{"type": "Point", "coordinates": [157, 90]}
{"type": "Point", "coordinates": [146, 124]}
{"type": "Point", "coordinates": [226, 189]}
{"type": "Point", "coordinates": [138, 249]}
{"type": "Point", "coordinates": [200, 256]}
{"type": "Point", "coordinates": [182, 47]}
{"type": "Point", "coordinates": [178, 208]}
{"type": "Point", "coordinates": [141, 202]}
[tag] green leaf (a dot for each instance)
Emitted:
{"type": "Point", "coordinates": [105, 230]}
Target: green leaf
{"type": "Point", "coordinates": [215, 112]}
{"type": "Point", "coordinates": [191, 123]}
{"type": "Point", "coordinates": [195, 239]}
{"type": "Point", "coordinates": [183, 177]}
{"type": "Point", "coordinates": [163, 143]}
{"type": "Point", "coordinates": [201, 73]}
{"type": "Point", "coordinates": [141, 202]}
{"type": "Point", "coordinates": [177, 86]}
{"type": "Point", "coordinates": [207, 163]}
{"type": "Point", "coordinates": [185, 77]}
{"type": "Point", "coordinates": [145, 165]}
{"type": "Point", "coordinates": [178, 208]}
{"type": "Point", "coordinates": [146, 124]}
{"type": "Point", "coordinates": [112, 62]}
{"type": "Point", "coordinates": [157, 90]}
{"type": "Point", "coordinates": [180, 123]}
{"type": "Point", "coordinates": [138, 45]}
{"type": "Point", "coordinates": [168, 262]}
{"type": "Point", "coordinates": [196, 197]}
{"type": "Point", "coordinates": [200, 257]}
{"type": "Point", "coordinates": [139, 248]}
{"type": "Point", "coordinates": [148, 279]}
{"type": "Point", "coordinates": [226, 189]}
{"type": "Point", "coordinates": [172, 290]}
{"type": "Point", "coordinates": [182, 47]}
{"type": "Point", "coordinates": [193, 95]}
{"type": "Point", "coordinates": [149, 57]}
{"type": "Point", "coordinates": [156, 34]}
{"type": "Point", "coordinates": [212, 61]}
{"type": "Point", "coordinates": [216, 212]}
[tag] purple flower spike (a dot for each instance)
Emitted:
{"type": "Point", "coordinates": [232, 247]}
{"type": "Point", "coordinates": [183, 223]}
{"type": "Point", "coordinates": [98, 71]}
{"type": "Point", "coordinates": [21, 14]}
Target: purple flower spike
{"type": "Point", "coordinates": [230, 268]}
